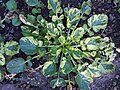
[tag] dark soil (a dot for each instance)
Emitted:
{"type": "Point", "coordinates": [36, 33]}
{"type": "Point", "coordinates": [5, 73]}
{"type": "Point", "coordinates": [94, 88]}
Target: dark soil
{"type": "Point", "coordinates": [33, 79]}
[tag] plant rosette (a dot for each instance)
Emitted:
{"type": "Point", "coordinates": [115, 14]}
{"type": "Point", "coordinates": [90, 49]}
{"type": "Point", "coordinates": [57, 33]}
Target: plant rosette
{"type": "Point", "coordinates": [71, 46]}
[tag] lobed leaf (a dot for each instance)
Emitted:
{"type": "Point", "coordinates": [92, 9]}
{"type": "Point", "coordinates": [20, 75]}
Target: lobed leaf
{"type": "Point", "coordinates": [73, 17]}
{"type": "Point", "coordinates": [55, 6]}
{"type": "Point", "coordinates": [106, 67]}
{"type": "Point", "coordinates": [78, 34]}
{"type": "Point", "coordinates": [98, 22]}
{"type": "Point", "coordinates": [86, 7]}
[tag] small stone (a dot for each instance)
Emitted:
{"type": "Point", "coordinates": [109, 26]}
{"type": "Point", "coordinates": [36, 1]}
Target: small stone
{"type": "Point", "coordinates": [117, 76]}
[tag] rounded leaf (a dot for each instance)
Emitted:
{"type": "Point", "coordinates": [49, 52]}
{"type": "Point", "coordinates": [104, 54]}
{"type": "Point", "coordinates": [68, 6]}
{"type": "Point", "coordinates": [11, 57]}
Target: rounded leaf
{"type": "Point", "coordinates": [11, 5]}
{"type": "Point", "coordinates": [66, 66]}
{"type": "Point", "coordinates": [77, 53]}
{"type": "Point", "coordinates": [78, 34]}
{"type": "Point", "coordinates": [26, 31]}
{"type": "Point", "coordinates": [82, 82]}
{"type": "Point", "coordinates": [49, 68]}
{"type": "Point", "coordinates": [31, 18]}
{"type": "Point", "coordinates": [57, 82]}
{"type": "Point", "coordinates": [32, 2]}
{"type": "Point", "coordinates": [11, 48]}
{"type": "Point", "coordinates": [16, 22]}
{"type": "Point", "coordinates": [16, 65]}
{"type": "Point", "coordinates": [97, 22]}
{"type": "Point", "coordinates": [28, 45]}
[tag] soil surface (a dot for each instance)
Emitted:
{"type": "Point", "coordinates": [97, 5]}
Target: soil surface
{"type": "Point", "coordinates": [33, 79]}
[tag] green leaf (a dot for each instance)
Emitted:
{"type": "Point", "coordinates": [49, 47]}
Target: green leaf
{"type": "Point", "coordinates": [49, 68]}
{"type": "Point", "coordinates": [57, 82]}
{"type": "Point", "coordinates": [93, 43]}
{"type": "Point", "coordinates": [28, 45]}
{"type": "Point", "coordinates": [40, 5]}
{"type": "Point", "coordinates": [11, 5]}
{"type": "Point", "coordinates": [58, 52]}
{"type": "Point", "coordinates": [117, 1]}
{"type": "Point", "coordinates": [60, 26]}
{"type": "Point", "coordinates": [82, 82]}
{"type": "Point", "coordinates": [106, 67]}
{"type": "Point", "coordinates": [2, 60]}
{"type": "Point", "coordinates": [1, 75]}
{"type": "Point", "coordinates": [54, 18]}
{"type": "Point", "coordinates": [62, 39]}
{"type": "Point", "coordinates": [86, 7]}
{"type": "Point", "coordinates": [25, 21]}
{"type": "Point", "coordinates": [73, 17]}
{"type": "Point", "coordinates": [31, 18]}
{"type": "Point", "coordinates": [29, 64]}
{"type": "Point", "coordinates": [26, 30]}
{"type": "Point", "coordinates": [91, 72]}
{"type": "Point", "coordinates": [32, 2]}
{"type": "Point", "coordinates": [92, 47]}
{"type": "Point", "coordinates": [41, 51]}
{"type": "Point", "coordinates": [55, 6]}
{"type": "Point", "coordinates": [52, 30]}
{"type": "Point", "coordinates": [16, 65]}
{"type": "Point", "coordinates": [53, 50]}
{"type": "Point", "coordinates": [77, 53]}
{"type": "Point", "coordinates": [16, 22]}
{"type": "Point", "coordinates": [42, 21]}
{"type": "Point", "coordinates": [98, 22]}
{"type": "Point", "coordinates": [11, 48]}
{"type": "Point", "coordinates": [78, 34]}
{"type": "Point", "coordinates": [35, 32]}
{"type": "Point", "coordinates": [66, 66]}
{"type": "Point", "coordinates": [35, 11]}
